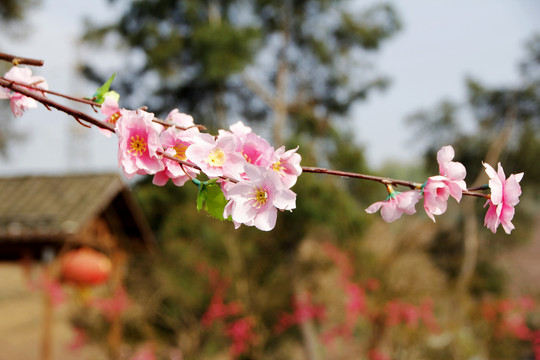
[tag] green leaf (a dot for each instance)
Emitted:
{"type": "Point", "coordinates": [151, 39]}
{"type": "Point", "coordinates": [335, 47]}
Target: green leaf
{"type": "Point", "coordinates": [201, 197]}
{"type": "Point", "coordinates": [211, 199]}
{"type": "Point", "coordinates": [99, 95]}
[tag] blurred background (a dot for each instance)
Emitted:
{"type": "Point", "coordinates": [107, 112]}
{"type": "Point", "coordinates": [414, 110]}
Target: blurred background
{"type": "Point", "coordinates": [365, 86]}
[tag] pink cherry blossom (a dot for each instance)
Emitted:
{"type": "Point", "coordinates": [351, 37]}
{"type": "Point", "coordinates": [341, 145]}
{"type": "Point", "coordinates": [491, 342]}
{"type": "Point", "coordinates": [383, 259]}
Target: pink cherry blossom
{"type": "Point", "coordinates": [504, 196]}
{"type": "Point", "coordinates": [287, 165]}
{"type": "Point", "coordinates": [256, 150]}
{"type": "Point", "coordinates": [396, 204]}
{"type": "Point", "coordinates": [175, 143]}
{"type": "Point", "coordinates": [255, 201]}
{"type": "Point", "coordinates": [216, 157]}
{"type": "Point", "coordinates": [111, 110]}
{"type": "Point", "coordinates": [450, 182]}
{"type": "Point", "coordinates": [180, 119]}
{"type": "Point", "coordinates": [18, 102]}
{"type": "Point", "coordinates": [138, 143]}
{"type": "Point", "coordinates": [240, 129]}
{"type": "Point", "coordinates": [238, 132]}
{"type": "Point", "coordinates": [436, 193]}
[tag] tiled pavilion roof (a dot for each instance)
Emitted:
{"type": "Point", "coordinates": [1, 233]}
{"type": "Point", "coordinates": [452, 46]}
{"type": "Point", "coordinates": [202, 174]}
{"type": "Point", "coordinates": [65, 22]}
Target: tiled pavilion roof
{"type": "Point", "coordinates": [49, 209]}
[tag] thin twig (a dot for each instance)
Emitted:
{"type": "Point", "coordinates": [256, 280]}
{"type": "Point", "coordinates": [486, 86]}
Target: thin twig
{"type": "Point", "coordinates": [72, 98]}
{"type": "Point", "coordinates": [78, 115]}
{"type": "Point", "coordinates": [382, 180]}
{"type": "Point", "coordinates": [50, 103]}
{"type": "Point", "coordinates": [19, 60]}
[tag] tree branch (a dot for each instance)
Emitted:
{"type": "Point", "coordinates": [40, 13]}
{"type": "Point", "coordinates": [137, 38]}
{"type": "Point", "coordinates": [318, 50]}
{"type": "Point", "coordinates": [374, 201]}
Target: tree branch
{"type": "Point", "coordinates": [79, 115]}
{"type": "Point", "coordinates": [266, 96]}
{"type": "Point", "coordinates": [18, 60]}
{"type": "Point", "coordinates": [50, 103]}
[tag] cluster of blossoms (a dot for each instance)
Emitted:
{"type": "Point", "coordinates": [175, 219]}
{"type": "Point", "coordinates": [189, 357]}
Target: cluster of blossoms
{"type": "Point", "coordinates": [255, 178]}
{"type": "Point", "coordinates": [451, 182]}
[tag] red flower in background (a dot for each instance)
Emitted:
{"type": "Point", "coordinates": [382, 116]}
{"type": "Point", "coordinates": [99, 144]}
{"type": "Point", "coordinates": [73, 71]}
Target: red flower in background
{"type": "Point", "coordinates": [241, 334]}
{"type": "Point", "coordinates": [114, 306]}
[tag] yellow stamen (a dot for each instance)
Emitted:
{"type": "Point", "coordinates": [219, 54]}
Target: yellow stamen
{"type": "Point", "coordinates": [180, 151]}
{"type": "Point", "coordinates": [114, 118]}
{"type": "Point", "coordinates": [260, 196]}
{"type": "Point", "coordinates": [137, 146]}
{"type": "Point", "coordinates": [216, 157]}
{"type": "Point", "coordinates": [278, 167]}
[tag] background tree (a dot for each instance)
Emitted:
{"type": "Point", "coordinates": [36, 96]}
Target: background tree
{"type": "Point", "coordinates": [292, 69]}
{"type": "Point", "coordinates": [505, 128]}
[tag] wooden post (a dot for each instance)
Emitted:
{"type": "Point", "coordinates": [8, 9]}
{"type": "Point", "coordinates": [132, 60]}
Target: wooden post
{"type": "Point", "coordinates": [114, 340]}
{"type": "Point", "coordinates": [46, 336]}
{"type": "Point", "coordinates": [47, 333]}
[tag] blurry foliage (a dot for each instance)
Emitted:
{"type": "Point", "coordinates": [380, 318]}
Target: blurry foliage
{"type": "Point", "coordinates": [490, 111]}
{"type": "Point", "coordinates": [201, 50]}
{"type": "Point", "coordinates": [12, 11]}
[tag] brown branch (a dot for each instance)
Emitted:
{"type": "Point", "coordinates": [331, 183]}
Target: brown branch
{"type": "Point", "coordinates": [78, 115]}
{"type": "Point", "coordinates": [266, 96]}
{"type": "Point", "coordinates": [49, 103]}
{"type": "Point", "coordinates": [18, 60]}
{"type": "Point", "coordinates": [93, 103]}
{"type": "Point", "coordinates": [382, 180]}
{"type": "Point", "coordinates": [72, 98]}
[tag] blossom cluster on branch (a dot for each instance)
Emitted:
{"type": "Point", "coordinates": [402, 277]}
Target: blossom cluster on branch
{"type": "Point", "coordinates": [246, 180]}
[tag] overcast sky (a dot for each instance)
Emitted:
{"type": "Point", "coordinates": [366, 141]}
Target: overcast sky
{"type": "Point", "coordinates": [442, 42]}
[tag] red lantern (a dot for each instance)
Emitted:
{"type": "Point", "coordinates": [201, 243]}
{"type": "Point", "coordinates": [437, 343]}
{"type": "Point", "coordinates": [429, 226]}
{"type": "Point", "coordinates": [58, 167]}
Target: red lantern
{"type": "Point", "coordinates": [85, 266]}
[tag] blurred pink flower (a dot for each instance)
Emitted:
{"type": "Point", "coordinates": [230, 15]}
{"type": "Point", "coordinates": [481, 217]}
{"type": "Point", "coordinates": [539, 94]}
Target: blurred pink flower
{"type": "Point", "coordinates": [450, 182]}
{"type": "Point", "coordinates": [396, 204]}
{"type": "Point", "coordinates": [138, 143]}
{"type": "Point", "coordinates": [145, 353]}
{"type": "Point", "coordinates": [20, 103]}
{"type": "Point", "coordinates": [114, 306]}
{"type": "Point", "coordinates": [79, 340]}
{"type": "Point", "coordinates": [54, 290]}
{"type": "Point", "coordinates": [375, 354]}
{"type": "Point", "coordinates": [504, 196]}
{"type": "Point", "coordinates": [219, 310]}
{"type": "Point", "coordinates": [303, 310]}
{"type": "Point", "coordinates": [241, 334]}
